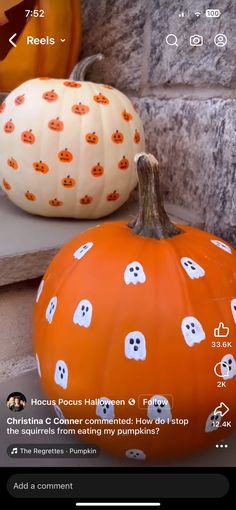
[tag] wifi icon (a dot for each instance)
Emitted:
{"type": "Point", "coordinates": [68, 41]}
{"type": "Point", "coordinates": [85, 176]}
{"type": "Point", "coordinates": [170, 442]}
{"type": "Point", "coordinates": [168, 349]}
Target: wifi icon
{"type": "Point", "coordinates": [197, 14]}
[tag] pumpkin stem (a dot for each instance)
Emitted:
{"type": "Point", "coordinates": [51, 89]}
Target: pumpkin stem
{"type": "Point", "coordinates": [79, 71]}
{"type": "Point", "coordinates": [152, 219]}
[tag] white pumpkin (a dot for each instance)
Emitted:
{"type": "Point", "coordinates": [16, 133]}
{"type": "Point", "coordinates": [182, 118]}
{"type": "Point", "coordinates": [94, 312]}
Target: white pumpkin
{"type": "Point", "coordinates": [67, 147]}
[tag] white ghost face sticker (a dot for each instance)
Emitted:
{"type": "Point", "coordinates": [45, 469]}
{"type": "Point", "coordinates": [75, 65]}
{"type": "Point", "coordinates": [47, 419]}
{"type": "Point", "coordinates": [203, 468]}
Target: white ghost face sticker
{"type": "Point", "coordinates": [83, 313]}
{"type": "Point", "coordinates": [105, 409]}
{"type": "Point", "coordinates": [51, 308]}
{"type": "Point", "coordinates": [134, 273]}
{"type": "Point", "coordinates": [59, 412]}
{"type": "Point", "coordinates": [82, 250]}
{"type": "Point", "coordinates": [38, 365]}
{"type": "Point", "coordinates": [40, 290]}
{"type": "Point", "coordinates": [213, 422]}
{"type": "Point", "coordinates": [134, 453]}
{"type": "Point", "coordinates": [61, 374]}
{"type": "Point", "coordinates": [192, 331]}
{"type": "Point", "coordinates": [233, 309]}
{"type": "Point", "coordinates": [135, 346]}
{"type": "Point", "coordinates": [221, 245]}
{"type": "Point", "coordinates": [192, 269]}
{"type": "Point", "coordinates": [228, 366]}
{"type": "Point", "coordinates": [159, 408]}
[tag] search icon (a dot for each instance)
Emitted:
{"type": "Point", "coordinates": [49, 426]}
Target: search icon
{"type": "Point", "coordinates": [171, 39]}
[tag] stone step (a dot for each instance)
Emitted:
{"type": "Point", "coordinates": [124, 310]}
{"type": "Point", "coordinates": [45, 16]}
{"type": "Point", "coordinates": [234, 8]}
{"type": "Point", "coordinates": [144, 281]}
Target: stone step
{"type": "Point", "coordinates": [28, 243]}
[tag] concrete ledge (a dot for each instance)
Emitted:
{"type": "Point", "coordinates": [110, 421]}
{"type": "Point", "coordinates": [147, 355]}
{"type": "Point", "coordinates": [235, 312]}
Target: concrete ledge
{"type": "Point", "coordinates": [28, 243]}
{"type": "Point", "coordinates": [16, 367]}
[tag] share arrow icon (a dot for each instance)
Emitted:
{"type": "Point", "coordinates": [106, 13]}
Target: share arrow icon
{"type": "Point", "coordinates": [222, 409]}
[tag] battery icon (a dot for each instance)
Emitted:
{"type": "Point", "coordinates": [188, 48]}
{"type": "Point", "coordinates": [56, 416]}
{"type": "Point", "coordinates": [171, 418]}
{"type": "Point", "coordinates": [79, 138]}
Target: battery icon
{"type": "Point", "coordinates": [213, 13]}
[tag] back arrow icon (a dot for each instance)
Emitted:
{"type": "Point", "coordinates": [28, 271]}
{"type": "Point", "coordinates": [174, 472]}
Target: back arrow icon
{"type": "Point", "coordinates": [11, 41]}
{"type": "Point", "coordinates": [222, 409]}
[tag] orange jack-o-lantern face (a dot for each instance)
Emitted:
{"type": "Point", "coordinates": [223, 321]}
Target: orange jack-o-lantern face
{"type": "Point", "coordinates": [56, 124]}
{"type": "Point", "coordinates": [123, 163]}
{"type": "Point", "coordinates": [117, 137]}
{"type": "Point", "coordinates": [68, 182]}
{"type": "Point", "coordinates": [2, 107]}
{"type": "Point", "coordinates": [97, 170]}
{"type": "Point", "coordinates": [127, 116]}
{"type": "Point", "coordinates": [91, 138]}
{"type": "Point", "coordinates": [9, 126]}
{"type": "Point", "coordinates": [86, 200]}
{"type": "Point", "coordinates": [72, 84]}
{"type": "Point", "coordinates": [65, 156]}
{"type": "Point", "coordinates": [6, 185]}
{"type": "Point", "coordinates": [39, 166]}
{"type": "Point", "coordinates": [137, 136]}
{"type": "Point", "coordinates": [50, 96]}
{"type": "Point", "coordinates": [80, 108]}
{"type": "Point", "coordinates": [101, 99]}
{"type": "Point", "coordinates": [112, 197]}
{"type": "Point", "coordinates": [20, 99]}
{"type": "Point", "coordinates": [55, 202]}
{"type": "Point", "coordinates": [30, 196]}
{"type": "Point", "coordinates": [28, 137]}
{"type": "Point", "coordinates": [12, 163]}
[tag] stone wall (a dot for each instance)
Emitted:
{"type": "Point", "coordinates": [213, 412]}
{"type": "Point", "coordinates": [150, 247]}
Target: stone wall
{"type": "Point", "coordinates": [185, 95]}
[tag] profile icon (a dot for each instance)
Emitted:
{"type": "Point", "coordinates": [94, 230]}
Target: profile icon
{"type": "Point", "coordinates": [16, 401]}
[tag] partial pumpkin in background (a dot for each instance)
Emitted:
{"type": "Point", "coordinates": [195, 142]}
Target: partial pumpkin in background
{"type": "Point", "coordinates": [71, 144]}
{"type": "Point", "coordinates": [129, 311]}
{"type": "Point", "coordinates": [61, 19]}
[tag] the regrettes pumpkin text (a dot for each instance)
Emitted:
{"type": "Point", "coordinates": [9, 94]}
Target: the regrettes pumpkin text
{"type": "Point", "coordinates": [129, 311]}
{"type": "Point", "coordinates": [69, 140]}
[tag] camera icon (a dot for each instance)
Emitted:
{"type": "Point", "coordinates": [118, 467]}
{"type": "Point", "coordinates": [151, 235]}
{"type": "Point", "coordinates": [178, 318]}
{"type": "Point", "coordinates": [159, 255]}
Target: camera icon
{"type": "Point", "coordinates": [196, 40]}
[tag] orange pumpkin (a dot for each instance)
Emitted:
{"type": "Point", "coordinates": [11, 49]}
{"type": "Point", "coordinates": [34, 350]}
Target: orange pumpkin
{"type": "Point", "coordinates": [117, 137]}
{"type": "Point", "coordinates": [28, 137]}
{"type": "Point", "coordinates": [9, 126]}
{"type": "Point", "coordinates": [72, 84]}
{"type": "Point", "coordinates": [92, 138]}
{"type": "Point", "coordinates": [129, 310]}
{"type": "Point", "coordinates": [2, 107]}
{"type": "Point", "coordinates": [20, 99]}
{"type": "Point", "coordinates": [111, 197]}
{"type": "Point", "coordinates": [56, 124]}
{"type": "Point", "coordinates": [55, 202]}
{"type": "Point", "coordinates": [6, 185]}
{"type": "Point", "coordinates": [80, 108]}
{"type": "Point", "coordinates": [65, 156]}
{"type": "Point", "coordinates": [39, 166]}
{"type": "Point", "coordinates": [123, 163]}
{"type": "Point", "coordinates": [86, 200]}
{"type": "Point", "coordinates": [13, 163]}
{"type": "Point", "coordinates": [97, 170]}
{"type": "Point", "coordinates": [101, 99]}
{"type": "Point", "coordinates": [50, 96]}
{"type": "Point", "coordinates": [68, 182]}
{"type": "Point", "coordinates": [30, 196]}
{"type": "Point", "coordinates": [27, 61]}
{"type": "Point", "coordinates": [127, 116]}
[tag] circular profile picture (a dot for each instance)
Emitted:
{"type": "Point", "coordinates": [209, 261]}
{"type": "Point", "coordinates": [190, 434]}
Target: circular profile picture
{"type": "Point", "coordinates": [16, 401]}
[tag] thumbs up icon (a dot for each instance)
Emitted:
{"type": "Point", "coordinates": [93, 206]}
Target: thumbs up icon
{"type": "Point", "coordinates": [221, 331]}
